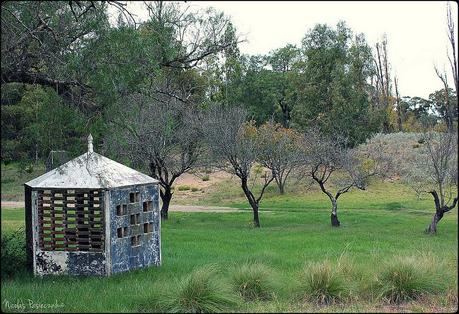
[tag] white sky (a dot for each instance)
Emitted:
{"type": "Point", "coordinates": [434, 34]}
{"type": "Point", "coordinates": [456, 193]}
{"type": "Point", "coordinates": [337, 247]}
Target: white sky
{"type": "Point", "coordinates": [416, 31]}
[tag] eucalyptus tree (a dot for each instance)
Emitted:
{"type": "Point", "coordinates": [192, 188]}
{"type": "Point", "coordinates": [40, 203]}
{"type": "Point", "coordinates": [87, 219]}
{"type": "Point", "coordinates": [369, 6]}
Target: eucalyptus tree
{"type": "Point", "coordinates": [234, 146]}
{"type": "Point", "coordinates": [332, 87]}
{"type": "Point", "coordinates": [283, 62]}
{"type": "Point", "coordinates": [42, 40]}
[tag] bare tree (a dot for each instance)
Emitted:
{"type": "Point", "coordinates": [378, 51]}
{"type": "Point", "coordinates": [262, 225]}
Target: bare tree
{"type": "Point", "coordinates": [442, 158]}
{"type": "Point", "coordinates": [452, 40]}
{"type": "Point", "coordinates": [427, 162]}
{"type": "Point", "coordinates": [329, 160]}
{"type": "Point", "coordinates": [160, 134]}
{"type": "Point", "coordinates": [279, 151]}
{"type": "Point", "coordinates": [399, 106]}
{"type": "Point", "coordinates": [234, 145]}
{"type": "Point", "coordinates": [383, 81]}
{"type": "Point", "coordinates": [449, 111]}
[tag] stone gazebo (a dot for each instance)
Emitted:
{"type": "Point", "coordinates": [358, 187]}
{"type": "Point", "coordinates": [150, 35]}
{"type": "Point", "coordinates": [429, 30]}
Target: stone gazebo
{"type": "Point", "coordinates": [92, 216]}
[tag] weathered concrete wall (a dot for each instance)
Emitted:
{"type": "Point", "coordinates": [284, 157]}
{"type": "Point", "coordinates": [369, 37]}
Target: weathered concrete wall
{"type": "Point", "coordinates": [69, 263]}
{"type": "Point", "coordinates": [124, 256]}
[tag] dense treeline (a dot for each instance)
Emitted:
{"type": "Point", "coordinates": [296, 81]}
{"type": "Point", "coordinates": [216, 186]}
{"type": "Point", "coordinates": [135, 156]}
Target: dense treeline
{"type": "Point", "coordinates": [67, 71]}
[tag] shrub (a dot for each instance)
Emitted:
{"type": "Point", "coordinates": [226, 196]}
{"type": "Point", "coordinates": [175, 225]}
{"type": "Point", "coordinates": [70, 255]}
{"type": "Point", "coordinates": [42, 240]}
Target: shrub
{"type": "Point", "coordinates": [13, 258]}
{"type": "Point", "coordinates": [194, 189]}
{"type": "Point", "coordinates": [199, 292]}
{"type": "Point", "coordinates": [184, 188]}
{"type": "Point", "coordinates": [321, 283]}
{"type": "Point", "coordinates": [254, 281]}
{"type": "Point", "coordinates": [405, 279]}
{"type": "Point", "coordinates": [205, 178]}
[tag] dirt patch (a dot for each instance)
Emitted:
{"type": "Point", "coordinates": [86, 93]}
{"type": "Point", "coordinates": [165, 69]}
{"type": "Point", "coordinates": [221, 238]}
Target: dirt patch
{"type": "Point", "coordinates": [173, 208]}
{"type": "Point", "coordinates": [11, 204]}
{"type": "Point", "coordinates": [196, 180]}
{"type": "Point", "coordinates": [208, 209]}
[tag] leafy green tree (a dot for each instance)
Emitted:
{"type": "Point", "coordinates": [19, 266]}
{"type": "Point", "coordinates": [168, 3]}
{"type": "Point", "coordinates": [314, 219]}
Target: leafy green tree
{"type": "Point", "coordinates": [333, 92]}
{"type": "Point", "coordinates": [38, 122]}
{"type": "Point", "coordinates": [283, 62]}
{"type": "Point", "coordinates": [41, 42]}
{"type": "Point", "coordinates": [445, 106]}
{"type": "Point", "coordinates": [258, 90]}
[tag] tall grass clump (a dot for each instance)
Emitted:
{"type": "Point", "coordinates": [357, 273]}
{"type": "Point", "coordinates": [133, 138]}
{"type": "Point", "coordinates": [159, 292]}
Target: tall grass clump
{"type": "Point", "coordinates": [406, 278]}
{"type": "Point", "coordinates": [254, 281]}
{"type": "Point", "coordinates": [199, 292]}
{"type": "Point", "coordinates": [322, 283]}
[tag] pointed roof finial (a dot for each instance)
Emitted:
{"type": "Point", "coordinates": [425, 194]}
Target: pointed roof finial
{"type": "Point", "coordinates": [90, 148]}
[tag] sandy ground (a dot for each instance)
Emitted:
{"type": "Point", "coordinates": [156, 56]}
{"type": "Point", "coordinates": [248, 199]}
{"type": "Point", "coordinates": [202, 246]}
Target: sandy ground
{"type": "Point", "coordinates": [10, 204]}
{"type": "Point", "coordinates": [196, 179]}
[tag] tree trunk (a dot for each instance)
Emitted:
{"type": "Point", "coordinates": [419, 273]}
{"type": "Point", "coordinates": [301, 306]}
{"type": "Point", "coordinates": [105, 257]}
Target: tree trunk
{"type": "Point", "coordinates": [399, 107]}
{"type": "Point", "coordinates": [432, 229]}
{"type": "Point", "coordinates": [256, 219]}
{"type": "Point", "coordinates": [166, 197]}
{"type": "Point", "coordinates": [253, 203]}
{"type": "Point", "coordinates": [281, 188]}
{"type": "Point", "coordinates": [285, 113]}
{"type": "Point", "coordinates": [440, 210]}
{"type": "Point", "coordinates": [334, 214]}
{"type": "Point", "coordinates": [281, 185]}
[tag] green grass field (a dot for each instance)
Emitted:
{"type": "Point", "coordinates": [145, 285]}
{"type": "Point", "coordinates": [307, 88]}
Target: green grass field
{"type": "Point", "coordinates": [13, 180]}
{"type": "Point", "coordinates": [378, 225]}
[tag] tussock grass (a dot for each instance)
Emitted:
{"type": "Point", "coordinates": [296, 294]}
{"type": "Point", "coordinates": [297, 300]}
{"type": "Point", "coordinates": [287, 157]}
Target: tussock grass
{"type": "Point", "coordinates": [408, 278]}
{"type": "Point", "coordinates": [254, 281]}
{"type": "Point", "coordinates": [199, 292]}
{"type": "Point", "coordinates": [322, 283]}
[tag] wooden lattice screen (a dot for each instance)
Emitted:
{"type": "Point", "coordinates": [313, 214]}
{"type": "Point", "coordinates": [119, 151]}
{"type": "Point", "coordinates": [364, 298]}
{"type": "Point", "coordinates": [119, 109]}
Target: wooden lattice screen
{"type": "Point", "coordinates": [71, 220]}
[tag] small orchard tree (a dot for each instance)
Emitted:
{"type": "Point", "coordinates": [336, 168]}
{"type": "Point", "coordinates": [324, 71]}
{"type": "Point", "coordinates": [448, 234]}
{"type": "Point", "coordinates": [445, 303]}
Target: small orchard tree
{"type": "Point", "coordinates": [234, 146]}
{"type": "Point", "coordinates": [161, 134]}
{"type": "Point", "coordinates": [279, 151]}
{"type": "Point", "coordinates": [330, 162]}
{"type": "Point", "coordinates": [428, 163]}
{"type": "Point", "coordinates": [441, 168]}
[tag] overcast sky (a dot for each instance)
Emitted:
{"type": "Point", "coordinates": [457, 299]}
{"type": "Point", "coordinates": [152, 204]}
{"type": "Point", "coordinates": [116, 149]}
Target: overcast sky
{"type": "Point", "coordinates": [416, 31]}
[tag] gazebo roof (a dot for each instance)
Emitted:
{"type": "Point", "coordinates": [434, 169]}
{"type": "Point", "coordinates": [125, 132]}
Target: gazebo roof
{"type": "Point", "coordinates": [90, 171]}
